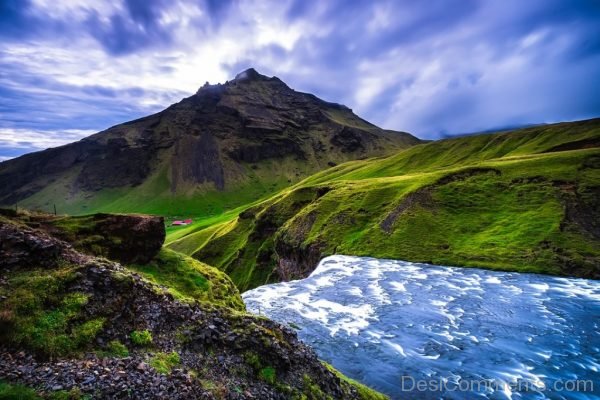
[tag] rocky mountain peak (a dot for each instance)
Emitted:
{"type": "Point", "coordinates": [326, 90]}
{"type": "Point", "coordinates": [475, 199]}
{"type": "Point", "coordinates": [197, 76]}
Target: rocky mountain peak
{"type": "Point", "coordinates": [249, 74]}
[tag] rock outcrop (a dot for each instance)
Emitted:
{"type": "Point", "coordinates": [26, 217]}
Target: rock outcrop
{"type": "Point", "coordinates": [124, 238]}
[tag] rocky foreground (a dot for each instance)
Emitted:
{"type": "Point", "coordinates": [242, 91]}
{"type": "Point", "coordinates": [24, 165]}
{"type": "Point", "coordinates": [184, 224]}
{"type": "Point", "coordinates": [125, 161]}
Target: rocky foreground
{"type": "Point", "coordinates": [76, 323]}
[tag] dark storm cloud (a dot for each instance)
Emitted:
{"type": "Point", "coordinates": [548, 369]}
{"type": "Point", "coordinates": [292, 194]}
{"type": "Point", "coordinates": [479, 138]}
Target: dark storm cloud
{"type": "Point", "coordinates": [434, 68]}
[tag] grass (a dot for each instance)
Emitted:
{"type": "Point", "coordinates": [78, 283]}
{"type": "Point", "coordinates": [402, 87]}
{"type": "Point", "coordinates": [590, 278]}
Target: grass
{"type": "Point", "coordinates": [17, 392]}
{"type": "Point", "coordinates": [247, 237]}
{"type": "Point", "coordinates": [245, 183]}
{"type": "Point", "coordinates": [364, 392]}
{"type": "Point", "coordinates": [154, 196]}
{"type": "Point", "coordinates": [21, 392]}
{"type": "Point", "coordinates": [45, 312]}
{"type": "Point", "coordinates": [116, 349]}
{"type": "Point", "coordinates": [495, 201]}
{"type": "Point", "coordinates": [268, 375]}
{"type": "Point", "coordinates": [190, 280]}
{"type": "Point", "coordinates": [524, 201]}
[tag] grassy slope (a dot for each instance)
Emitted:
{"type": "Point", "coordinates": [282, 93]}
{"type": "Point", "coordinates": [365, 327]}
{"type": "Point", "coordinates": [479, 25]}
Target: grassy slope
{"type": "Point", "coordinates": [513, 201]}
{"type": "Point", "coordinates": [189, 279]}
{"type": "Point", "coordinates": [154, 196]}
{"type": "Point", "coordinates": [364, 391]}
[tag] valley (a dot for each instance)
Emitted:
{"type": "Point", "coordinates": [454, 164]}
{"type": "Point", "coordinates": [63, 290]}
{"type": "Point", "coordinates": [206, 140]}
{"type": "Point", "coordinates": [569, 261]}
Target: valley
{"type": "Point", "coordinates": [279, 186]}
{"type": "Point", "coordinates": [296, 200]}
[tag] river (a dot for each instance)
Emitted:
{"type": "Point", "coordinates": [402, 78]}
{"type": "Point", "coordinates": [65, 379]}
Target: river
{"type": "Point", "coordinates": [422, 331]}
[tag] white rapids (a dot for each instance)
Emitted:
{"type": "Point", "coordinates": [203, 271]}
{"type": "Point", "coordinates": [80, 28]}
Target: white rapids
{"type": "Point", "coordinates": [464, 333]}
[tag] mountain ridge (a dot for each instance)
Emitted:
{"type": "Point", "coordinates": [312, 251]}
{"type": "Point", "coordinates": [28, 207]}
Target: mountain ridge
{"type": "Point", "coordinates": [226, 138]}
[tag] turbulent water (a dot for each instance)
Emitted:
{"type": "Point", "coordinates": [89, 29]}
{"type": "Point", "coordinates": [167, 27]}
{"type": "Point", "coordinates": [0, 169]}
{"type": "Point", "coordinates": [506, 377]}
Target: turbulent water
{"type": "Point", "coordinates": [421, 331]}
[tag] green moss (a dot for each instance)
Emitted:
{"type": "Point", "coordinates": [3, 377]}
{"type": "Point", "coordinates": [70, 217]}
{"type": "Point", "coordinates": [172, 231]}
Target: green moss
{"type": "Point", "coordinates": [312, 391]}
{"type": "Point", "coordinates": [141, 338]}
{"type": "Point", "coordinates": [73, 394]}
{"type": "Point", "coordinates": [59, 395]}
{"type": "Point", "coordinates": [217, 389]}
{"type": "Point", "coordinates": [20, 392]}
{"type": "Point", "coordinates": [17, 392]}
{"type": "Point", "coordinates": [265, 373]}
{"type": "Point", "coordinates": [268, 374]}
{"type": "Point", "coordinates": [253, 360]}
{"type": "Point", "coordinates": [39, 315]}
{"type": "Point", "coordinates": [116, 349]}
{"type": "Point", "coordinates": [364, 392]}
{"type": "Point", "coordinates": [165, 362]}
{"type": "Point", "coordinates": [83, 233]}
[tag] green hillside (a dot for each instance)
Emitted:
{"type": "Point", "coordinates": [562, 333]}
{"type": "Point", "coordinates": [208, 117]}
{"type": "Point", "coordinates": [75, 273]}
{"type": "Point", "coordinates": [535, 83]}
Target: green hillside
{"type": "Point", "coordinates": [525, 200]}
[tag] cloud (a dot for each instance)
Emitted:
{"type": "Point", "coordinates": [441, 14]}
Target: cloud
{"type": "Point", "coordinates": [437, 68]}
{"type": "Point", "coordinates": [17, 141]}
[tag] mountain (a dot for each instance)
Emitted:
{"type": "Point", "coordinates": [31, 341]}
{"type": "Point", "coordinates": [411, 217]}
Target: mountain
{"type": "Point", "coordinates": [225, 146]}
{"type": "Point", "coordinates": [93, 307]}
{"type": "Point", "coordinates": [524, 200]}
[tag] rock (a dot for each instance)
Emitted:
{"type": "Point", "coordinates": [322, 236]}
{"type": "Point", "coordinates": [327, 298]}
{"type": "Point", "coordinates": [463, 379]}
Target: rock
{"type": "Point", "coordinates": [122, 238]}
{"type": "Point", "coordinates": [133, 238]}
{"type": "Point", "coordinates": [23, 247]}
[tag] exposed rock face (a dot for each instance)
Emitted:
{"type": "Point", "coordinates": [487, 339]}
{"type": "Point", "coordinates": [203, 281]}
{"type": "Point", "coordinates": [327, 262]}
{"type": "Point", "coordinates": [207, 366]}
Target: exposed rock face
{"type": "Point", "coordinates": [229, 350]}
{"type": "Point", "coordinates": [122, 238]}
{"type": "Point", "coordinates": [133, 165]}
{"type": "Point", "coordinates": [197, 160]}
{"type": "Point", "coordinates": [207, 140]}
{"type": "Point", "coordinates": [118, 237]}
{"type": "Point", "coordinates": [296, 263]}
{"type": "Point", "coordinates": [22, 247]}
{"type": "Point", "coordinates": [129, 238]}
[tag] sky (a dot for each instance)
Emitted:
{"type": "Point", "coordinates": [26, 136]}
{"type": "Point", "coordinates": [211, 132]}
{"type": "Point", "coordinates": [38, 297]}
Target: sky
{"type": "Point", "coordinates": [434, 68]}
